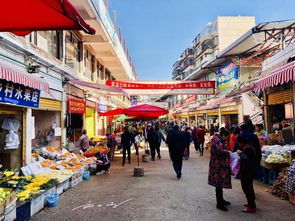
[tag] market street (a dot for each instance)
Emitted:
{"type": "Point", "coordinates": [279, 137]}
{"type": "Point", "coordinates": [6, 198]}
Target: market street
{"type": "Point", "coordinates": [160, 196]}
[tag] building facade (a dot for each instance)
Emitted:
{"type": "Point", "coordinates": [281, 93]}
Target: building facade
{"type": "Point", "coordinates": [58, 60]}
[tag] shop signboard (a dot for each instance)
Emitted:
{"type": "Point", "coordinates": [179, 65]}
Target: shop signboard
{"type": "Point", "coordinates": [102, 108]}
{"type": "Point", "coordinates": [227, 78]}
{"type": "Point", "coordinates": [189, 99]}
{"type": "Point", "coordinates": [134, 100]}
{"type": "Point", "coordinates": [18, 94]}
{"type": "Point", "coordinates": [76, 106]}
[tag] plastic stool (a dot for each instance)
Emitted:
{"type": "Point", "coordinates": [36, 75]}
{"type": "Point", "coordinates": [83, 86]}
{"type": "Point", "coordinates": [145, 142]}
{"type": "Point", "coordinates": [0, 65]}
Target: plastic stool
{"type": "Point", "coordinates": [273, 176]}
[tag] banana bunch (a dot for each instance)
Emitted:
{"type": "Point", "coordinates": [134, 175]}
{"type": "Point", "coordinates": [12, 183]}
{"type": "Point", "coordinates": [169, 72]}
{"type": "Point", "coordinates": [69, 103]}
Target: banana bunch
{"type": "Point", "coordinates": [3, 194]}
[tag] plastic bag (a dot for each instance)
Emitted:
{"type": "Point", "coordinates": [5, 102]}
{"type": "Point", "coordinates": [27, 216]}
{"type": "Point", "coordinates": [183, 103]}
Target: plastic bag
{"type": "Point", "coordinates": [235, 163]}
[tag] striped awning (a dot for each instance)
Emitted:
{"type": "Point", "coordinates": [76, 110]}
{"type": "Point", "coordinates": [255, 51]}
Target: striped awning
{"type": "Point", "coordinates": [19, 77]}
{"type": "Point", "coordinates": [278, 76]}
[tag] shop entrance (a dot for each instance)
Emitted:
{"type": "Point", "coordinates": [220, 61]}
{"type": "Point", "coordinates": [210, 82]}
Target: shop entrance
{"type": "Point", "coordinates": [90, 122]}
{"type": "Point", "coordinates": [11, 158]}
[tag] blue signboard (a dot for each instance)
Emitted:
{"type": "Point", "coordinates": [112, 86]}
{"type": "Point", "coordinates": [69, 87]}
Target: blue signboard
{"type": "Point", "coordinates": [18, 94]}
{"type": "Point", "coordinates": [227, 77]}
{"type": "Point", "coordinates": [102, 108]}
{"type": "Point", "coordinates": [134, 101]}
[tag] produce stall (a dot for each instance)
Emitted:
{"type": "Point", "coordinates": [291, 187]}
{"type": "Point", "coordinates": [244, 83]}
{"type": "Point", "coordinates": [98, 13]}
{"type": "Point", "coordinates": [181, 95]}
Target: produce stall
{"type": "Point", "coordinates": [52, 171]}
{"type": "Point", "coordinates": [279, 170]}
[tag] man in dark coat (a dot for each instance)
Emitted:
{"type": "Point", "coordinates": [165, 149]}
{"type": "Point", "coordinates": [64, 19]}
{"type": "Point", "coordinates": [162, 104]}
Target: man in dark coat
{"type": "Point", "coordinates": [176, 144]}
{"type": "Point", "coordinates": [127, 139]}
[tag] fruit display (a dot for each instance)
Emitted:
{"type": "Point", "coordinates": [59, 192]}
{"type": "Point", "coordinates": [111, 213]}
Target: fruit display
{"type": "Point", "coordinates": [59, 175]}
{"type": "Point", "coordinates": [97, 149]}
{"type": "Point", "coordinates": [276, 158]}
{"type": "Point", "coordinates": [4, 192]}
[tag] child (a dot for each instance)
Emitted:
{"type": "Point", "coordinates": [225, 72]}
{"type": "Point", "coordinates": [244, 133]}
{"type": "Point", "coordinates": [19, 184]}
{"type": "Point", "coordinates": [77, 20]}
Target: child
{"type": "Point", "coordinates": [247, 172]}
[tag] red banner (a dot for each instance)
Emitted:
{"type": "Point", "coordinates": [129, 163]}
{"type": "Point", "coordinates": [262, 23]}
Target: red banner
{"type": "Point", "coordinates": [76, 106]}
{"type": "Point", "coordinates": [158, 86]}
{"type": "Point", "coordinates": [189, 99]}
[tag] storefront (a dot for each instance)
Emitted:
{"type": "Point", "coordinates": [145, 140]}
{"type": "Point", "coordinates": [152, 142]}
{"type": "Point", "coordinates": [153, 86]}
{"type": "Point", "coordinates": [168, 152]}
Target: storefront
{"type": "Point", "coordinates": [75, 118]}
{"type": "Point", "coordinates": [47, 122]}
{"type": "Point", "coordinates": [19, 93]}
{"type": "Point", "coordinates": [102, 120]}
{"type": "Point", "coordinates": [278, 92]}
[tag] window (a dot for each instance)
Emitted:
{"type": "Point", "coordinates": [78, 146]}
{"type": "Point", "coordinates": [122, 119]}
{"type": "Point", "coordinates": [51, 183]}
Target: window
{"type": "Point", "coordinates": [73, 51]}
{"type": "Point", "coordinates": [100, 70]}
{"type": "Point", "coordinates": [89, 65]}
{"type": "Point", "coordinates": [49, 41]}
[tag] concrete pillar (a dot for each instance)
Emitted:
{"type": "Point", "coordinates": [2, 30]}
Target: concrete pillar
{"type": "Point", "coordinates": [28, 140]}
{"type": "Point", "coordinates": [219, 116]}
{"type": "Point", "coordinates": [206, 121]}
{"type": "Point", "coordinates": [266, 113]}
{"type": "Point", "coordinates": [63, 117]}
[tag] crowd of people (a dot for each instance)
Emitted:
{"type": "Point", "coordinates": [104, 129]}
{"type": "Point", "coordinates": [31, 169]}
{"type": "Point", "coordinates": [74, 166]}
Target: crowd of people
{"type": "Point", "coordinates": [245, 140]}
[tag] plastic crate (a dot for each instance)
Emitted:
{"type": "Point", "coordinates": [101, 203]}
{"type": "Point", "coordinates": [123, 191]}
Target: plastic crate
{"type": "Point", "coordinates": [10, 207]}
{"type": "Point", "coordinates": [23, 211]}
{"type": "Point", "coordinates": [37, 203]}
{"type": "Point", "coordinates": [66, 185]}
{"type": "Point", "coordinates": [47, 192]}
{"type": "Point", "coordinates": [60, 188]}
{"type": "Point", "coordinates": [80, 179]}
{"type": "Point", "coordinates": [11, 216]}
{"type": "Point", "coordinates": [74, 182]}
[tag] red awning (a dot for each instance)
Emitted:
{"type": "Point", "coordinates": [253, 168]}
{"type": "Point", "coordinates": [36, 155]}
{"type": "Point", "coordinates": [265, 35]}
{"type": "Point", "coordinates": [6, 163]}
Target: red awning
{"type": "Point", "coordinates": [240, 91]}
{"type": "Point", "coordinates": [24, 16]}
{"type": "Point", "coordinates": [214, 103]}
{"type": "Point", "coordinates": [278, 76]}
{"type": "Point", "coordinates": [20, 77]}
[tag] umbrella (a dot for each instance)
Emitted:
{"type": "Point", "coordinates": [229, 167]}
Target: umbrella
{"type": "Point", "coordinates": [117, 111]}
{"type": "Point", "coordinates": [145, 110]}
{"type": "Point", "coordinates": [24, 16]}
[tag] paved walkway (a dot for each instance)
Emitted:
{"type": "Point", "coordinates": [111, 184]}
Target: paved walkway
{"type": "Point", "coordinates": [160, 196]}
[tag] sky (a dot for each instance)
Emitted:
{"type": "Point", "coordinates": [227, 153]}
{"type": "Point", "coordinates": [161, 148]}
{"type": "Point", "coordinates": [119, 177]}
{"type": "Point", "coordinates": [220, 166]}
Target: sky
{"type": "Point", "coordinates": [158, 31]}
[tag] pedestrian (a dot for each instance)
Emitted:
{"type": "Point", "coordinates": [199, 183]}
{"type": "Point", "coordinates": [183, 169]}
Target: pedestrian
{"type": "Point", "coordinates": [201, 132]}
{"type": "Point", "coordinates": [175, 141]}
{"type": "Point", "coordinates": [187, 140]}
{"type": "Point", "coordinates": [261, 134]}
{"type": "Point", "coordinates": [160, 137]}
{"type": "Point", "coordinates": [248, 132]}
{"type": "Point", "coordinates": [152, 138]}
{"type": "Point", "coordinates": [111, 144]}
{"type": "Point", "coordinates": [212, 130]}
{"type": "Point", "coordinates": [84, 141]}
{"type": "Point", "coordinates": [195, 139]}
{"type": "Point", "coordinates": [126, 142]}
{"type": "Point", "coordinates": [247, 172]}
{"type": "Point", "coordinates": [219, 168]}
{"type": "Point", "coordinates": [136, 139]}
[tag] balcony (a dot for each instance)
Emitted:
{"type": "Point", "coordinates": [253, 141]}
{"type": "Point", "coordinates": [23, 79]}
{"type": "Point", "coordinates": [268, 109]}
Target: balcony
{"type": "Point", "coordinates": [105, 43]}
